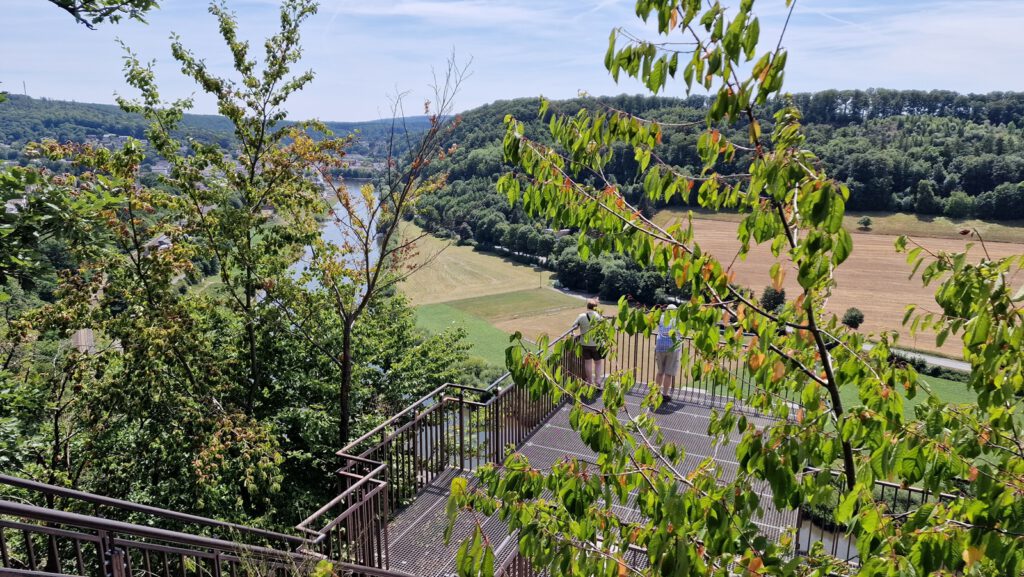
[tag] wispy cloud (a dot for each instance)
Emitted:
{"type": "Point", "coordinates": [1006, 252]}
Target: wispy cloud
{"type": "Point", "coordinates": [449, 12]}
{"type": "Point", "coordinates": [365, 49]}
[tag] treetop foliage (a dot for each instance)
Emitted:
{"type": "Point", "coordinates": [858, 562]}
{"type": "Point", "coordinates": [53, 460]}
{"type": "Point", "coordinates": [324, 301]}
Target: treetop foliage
{"type": "Point", "coordinates": [814, 449]}
{"type": "Point", "coordinates": [91, 13]}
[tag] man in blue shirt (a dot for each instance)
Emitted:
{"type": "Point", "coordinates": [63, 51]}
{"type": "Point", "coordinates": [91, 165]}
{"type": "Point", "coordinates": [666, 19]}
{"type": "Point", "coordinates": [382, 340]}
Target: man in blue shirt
{"type": "Point", "coordinates": [667, 353]}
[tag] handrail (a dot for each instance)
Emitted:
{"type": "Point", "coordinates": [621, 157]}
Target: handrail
{"type": "Point", "coordinates": [344, 452]}
{"type": "Point", "coordinates": [361, 480]}
{"type": "Point", "coordinates": [139, 508]}
{"type": "Point", "coordinates": [76, 520]}
{"type": "Point", "coordinates": [44, 515]}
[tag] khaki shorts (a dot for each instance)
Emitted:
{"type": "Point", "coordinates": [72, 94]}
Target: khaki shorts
{"type": "Point", "coordinates": [667, 362]}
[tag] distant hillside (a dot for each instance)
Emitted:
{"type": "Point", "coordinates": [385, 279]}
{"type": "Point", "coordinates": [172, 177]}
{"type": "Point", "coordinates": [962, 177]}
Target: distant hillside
{"type": "Point", "coordinates": [24, 119]}
{"type": "Point", "coordinates": [929, 153]}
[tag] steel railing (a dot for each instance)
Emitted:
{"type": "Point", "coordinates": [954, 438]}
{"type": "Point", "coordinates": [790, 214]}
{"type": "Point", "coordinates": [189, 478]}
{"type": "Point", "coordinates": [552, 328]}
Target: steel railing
{"type": "Point", "coordinates": [818, 525]}
{"type": "Point", "coordinates": [450, 431]}
{"type": "Point", "coordinates": [43, 540]}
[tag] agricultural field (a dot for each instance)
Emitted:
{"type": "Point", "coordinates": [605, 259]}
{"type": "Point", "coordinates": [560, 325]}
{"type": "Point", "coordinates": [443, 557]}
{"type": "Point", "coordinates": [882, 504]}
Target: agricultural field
{"type": "Point", "coordinates": [451, 272]}
{"type": "Point", "coordinates": [510, 296]}
{"type": "Point", "coordinates": [874, 279]}
{"type": "Point", "coordinates": [491, 297]}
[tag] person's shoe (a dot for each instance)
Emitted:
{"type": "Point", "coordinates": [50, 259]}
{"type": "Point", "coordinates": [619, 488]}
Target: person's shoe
{"type": "Point", "coordinates": [665, 399]}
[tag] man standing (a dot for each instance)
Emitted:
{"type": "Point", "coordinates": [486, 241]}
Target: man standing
{"type": "Point", "coordinates": [667, 353]}
{"type": "Point", "coordinates": [593, 357]}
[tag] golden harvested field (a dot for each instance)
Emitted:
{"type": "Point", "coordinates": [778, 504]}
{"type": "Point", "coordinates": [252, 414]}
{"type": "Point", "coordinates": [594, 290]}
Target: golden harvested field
{"type": "Point", "coordinates": [874, 278]}
{"type": "Point", "coordinates": [458, 285]}
{"type": "Point", "coordinates": [452, 272]}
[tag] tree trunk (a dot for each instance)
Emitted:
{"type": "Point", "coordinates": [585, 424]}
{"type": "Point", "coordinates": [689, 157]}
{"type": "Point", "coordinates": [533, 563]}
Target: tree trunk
{"type": "Point", "coordinates": [250, 333]}
{"type": "Point", "coordinates": [346, 383]}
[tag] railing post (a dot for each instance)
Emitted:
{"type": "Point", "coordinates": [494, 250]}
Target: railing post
{"type": "Point", "coordinates": [799, 523]}
{"type": "Point", "coordinates": [113, 557]}
{"type": "Point", "coordinates": [462, 430]}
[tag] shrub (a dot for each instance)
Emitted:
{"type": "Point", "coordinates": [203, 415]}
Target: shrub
{"type": "Point", "coordinates": [959, 205]}
{"type": "Point", "coordinates": [927, 370]}
{"type": "Point", "coordinates": [853, 317]}
{"type": "Point", "coordinates": [924, 198]}
{"type": "Point", "coordinates": [865, 223]}
{"type": "Point", "coordinates": [772, 299]}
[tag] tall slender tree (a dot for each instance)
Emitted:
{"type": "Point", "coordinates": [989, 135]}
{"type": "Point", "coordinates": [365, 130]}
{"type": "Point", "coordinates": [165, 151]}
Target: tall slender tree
{"type": "Point", "coordinates": [368, 252]}
{"type": "Point", "coordinates": [254, 208]}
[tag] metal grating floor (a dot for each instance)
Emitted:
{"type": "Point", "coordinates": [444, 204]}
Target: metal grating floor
{"type": "Point", "coordinates": [416, 542]}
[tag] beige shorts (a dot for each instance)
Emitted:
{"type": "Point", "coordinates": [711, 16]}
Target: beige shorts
{"type": "Point", "coordinates": [667, 362]}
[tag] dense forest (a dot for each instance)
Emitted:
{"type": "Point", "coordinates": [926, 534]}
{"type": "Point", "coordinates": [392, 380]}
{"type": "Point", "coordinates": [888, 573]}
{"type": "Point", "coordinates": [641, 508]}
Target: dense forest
{"type": "Point", "coordinates": [24, 119]}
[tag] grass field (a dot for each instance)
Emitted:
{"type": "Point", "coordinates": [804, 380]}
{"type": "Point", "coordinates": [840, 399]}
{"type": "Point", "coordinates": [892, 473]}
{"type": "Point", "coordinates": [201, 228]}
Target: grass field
{"type": "Point", "coordinates": [490, 319]}
{"type": "Point", "coordinates": [492, 297]}
{"type": "Point", "coordinates": [488, 342]}
{"type": "Point", "coordinates": [949, 391]}
{"type": "Point", "coordinates": [449, 272]}
{"type": "Point", "coordinates": [874, 279]}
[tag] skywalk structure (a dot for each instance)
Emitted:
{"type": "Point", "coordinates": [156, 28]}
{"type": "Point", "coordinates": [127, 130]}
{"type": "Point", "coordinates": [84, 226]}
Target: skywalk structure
{"type": "Point", "coordinates": [389, 516]}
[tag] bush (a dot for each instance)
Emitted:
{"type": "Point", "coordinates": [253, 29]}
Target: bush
{"type": "Point", "coordinates": [959, 205]}
{"type": "Point", "coordinates": [853, 317]}
{"type": "Point", "coordinates": [865, 223]}
{"type": "Point", "coordinates": [772, 299]}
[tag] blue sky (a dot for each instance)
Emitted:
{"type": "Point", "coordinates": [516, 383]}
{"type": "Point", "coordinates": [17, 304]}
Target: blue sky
{"type": "Point", "coordinates": [365, 50]}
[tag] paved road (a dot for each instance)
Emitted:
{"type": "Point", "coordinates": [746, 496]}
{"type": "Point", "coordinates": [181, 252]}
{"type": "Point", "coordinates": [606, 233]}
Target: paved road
{"type": "Point", "coordinates": [954, 364]}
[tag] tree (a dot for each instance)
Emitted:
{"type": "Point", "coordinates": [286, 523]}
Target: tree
{"type": "Point", "coordinates": [959, 205]}
{"type": "Point", "coordinates": [924, 198]}
{"type": "Point", "coordinates": [853, 317]}
{"type": "Point", "coordinates": [255, 252]}
{"type": "Point", "coordinates": [51, 210]}
{"type": "Point", "coordinates": [865, 223]}
{"type": "Point", "coordinates": [90, 13]}
{"type": "Point", "coordinates": [832, 450]}
{"type": "Point", "coordinates": [1006, 202]}
{"type": "Point", "coordinates": [372, 255]}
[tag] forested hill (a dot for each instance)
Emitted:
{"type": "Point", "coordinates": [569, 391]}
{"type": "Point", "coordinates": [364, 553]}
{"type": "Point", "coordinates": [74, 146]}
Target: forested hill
{"type": "Point", "coordinates": [926, 152]}
{"type": "Point", "coordinates": [24, 119]}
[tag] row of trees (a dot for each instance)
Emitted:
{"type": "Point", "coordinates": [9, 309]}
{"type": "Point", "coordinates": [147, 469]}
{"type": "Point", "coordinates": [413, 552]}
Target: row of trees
{"type": "Point", "coordinates": [906, 158]}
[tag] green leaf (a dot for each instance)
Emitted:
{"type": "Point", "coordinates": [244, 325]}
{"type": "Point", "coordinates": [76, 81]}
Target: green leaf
{"type": "Point", "coordinates": [843, 247]}
{"type": "Point", "coordinates": [848, 505]}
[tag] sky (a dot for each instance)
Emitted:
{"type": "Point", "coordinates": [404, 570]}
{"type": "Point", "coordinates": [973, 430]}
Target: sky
{"type": "Point", "coordinates": [364, 52]}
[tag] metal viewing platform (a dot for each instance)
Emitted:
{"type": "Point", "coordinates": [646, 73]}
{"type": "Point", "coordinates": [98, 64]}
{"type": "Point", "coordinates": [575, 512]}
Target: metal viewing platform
{"type": "Point", "coordinates": [389, 517]}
